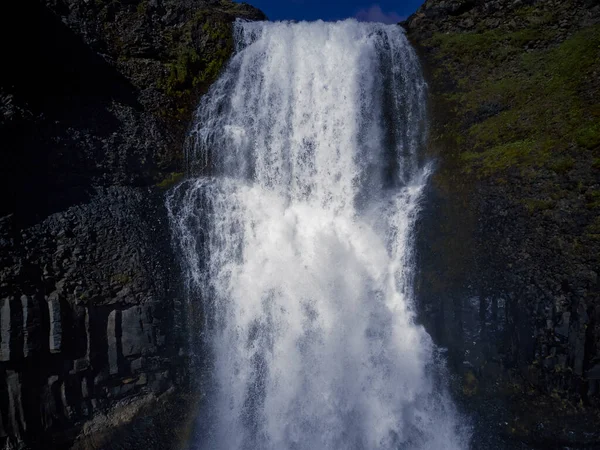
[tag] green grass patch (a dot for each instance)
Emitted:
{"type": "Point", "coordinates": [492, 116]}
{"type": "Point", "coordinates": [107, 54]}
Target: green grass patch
{"type": "Point", "coordinates": [544, 102]}
{"type": "Point", "coordinates": [171, 180]}
{"type": "Point", "coordinates": [200, 49]}
{"type": "Point", "coordinates": [515, 154]}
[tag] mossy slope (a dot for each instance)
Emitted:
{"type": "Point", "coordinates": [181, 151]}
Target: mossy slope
{"type": "Point", "coordinates": [530, 108]}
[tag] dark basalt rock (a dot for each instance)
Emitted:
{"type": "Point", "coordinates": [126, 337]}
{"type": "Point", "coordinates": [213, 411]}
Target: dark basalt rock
{"type": "Point", "coordinates": [100, 93]}
{"type": "Point", "coordinates": [509, 249]}
{"type": "Point", "coordinates": [103, 297]}
{"type": "Point", "coordinates": [95, 101]}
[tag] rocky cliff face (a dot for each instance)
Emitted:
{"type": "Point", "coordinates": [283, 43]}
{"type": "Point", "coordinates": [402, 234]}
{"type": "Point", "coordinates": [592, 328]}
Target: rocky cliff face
{"type": "Point", "coordinates": [93, 116]}
{"type": "Point", "coordinates": [102, 93]}
{"type": "Point", "coordinates": [510, 245]}
{"type": "Point", "coordinates": [87, 314]}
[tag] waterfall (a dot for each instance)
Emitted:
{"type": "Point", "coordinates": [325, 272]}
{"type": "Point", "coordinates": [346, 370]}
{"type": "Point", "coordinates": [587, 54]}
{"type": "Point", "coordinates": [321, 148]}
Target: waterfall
{"type": "Point", "coordinates": [297, 242]}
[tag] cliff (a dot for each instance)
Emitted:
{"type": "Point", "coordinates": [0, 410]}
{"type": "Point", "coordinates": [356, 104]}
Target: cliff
{"type": "Point", "coordinates": [95, 101]}
{"type": "Point", "coordinates": [509, 243]}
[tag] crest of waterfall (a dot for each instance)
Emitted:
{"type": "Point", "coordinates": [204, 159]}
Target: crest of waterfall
{"type": "Point", "coordinates": [298, 244]}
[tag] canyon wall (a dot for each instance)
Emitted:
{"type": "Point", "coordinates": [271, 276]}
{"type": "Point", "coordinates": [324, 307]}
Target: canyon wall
{"type": "Point", "coordinates": [510, 240]}
{"type": "Point", "coordinates": [95, 106]}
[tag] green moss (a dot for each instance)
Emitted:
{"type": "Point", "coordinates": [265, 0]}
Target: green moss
{"type": "Point", "coordinates": [524, 11]}
{"type": "Point", "coordinates": [533, 205]}
{"type": "Point", "coordinates": [593, 199]}
{"type": "Point", "coordinates": [189, 71]}
{"type": "Point", "coordinates": [562, 164]}
{"type": "Point", "coordinates": [588, 135]}
{"type": "Point", "coordinates": [592, 231]}
{"type": "Point", "coordinates": [561, 194]}
{"type": "Point", "coordinates": [485, 49]}
{"type": "Point", "coordinates": [533, 15]}
{"type": "Point", "coordinates": [171, 180]}
{"type": "Point", "coordinates": [470, 384]}
{"type": "Point", "coordinates": [594, 227]}
{"type": "Point", "coordinates": [181, 73]}
{"type": "Point", "coordinates": [216, 31]}
{"type": "Point", "coordinates": [142, 7]}
{"type": "Point", "coordinates": [121, 278]}
{"type": "Point", "coordinates": [542, 99]}
{"type": "Point", "coordinates": [516, 154]}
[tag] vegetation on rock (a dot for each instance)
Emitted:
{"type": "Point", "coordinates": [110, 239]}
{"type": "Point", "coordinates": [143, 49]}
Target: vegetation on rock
{"type": "Point", "coordinates": [171, 180]}
{"type": "Point", "coordinates": [515, 91]}
{"type": "Point", "coordinates": [189, 72]}
{"type": "Point", "coordinates": [530, 108]}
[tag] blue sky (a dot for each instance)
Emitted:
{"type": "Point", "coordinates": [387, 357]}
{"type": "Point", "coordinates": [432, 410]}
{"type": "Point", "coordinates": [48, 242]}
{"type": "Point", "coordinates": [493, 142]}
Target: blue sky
{"type": "Point", "coordinates": [389, 11]}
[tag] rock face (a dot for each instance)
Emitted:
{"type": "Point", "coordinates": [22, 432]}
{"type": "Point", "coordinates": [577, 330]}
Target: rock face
{"type": "Point", "coordinates": [93, 116]}
{"type": "Point", "coordinates": [509, 242]}
{"type": "Point", "coordinates": [88, 313]}
{"type": "Point", "coordinates": [102, 93]}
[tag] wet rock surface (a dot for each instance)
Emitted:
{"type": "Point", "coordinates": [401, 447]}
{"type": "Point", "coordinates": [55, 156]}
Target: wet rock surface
{"type": "Point", "coordinates": [93, 116]}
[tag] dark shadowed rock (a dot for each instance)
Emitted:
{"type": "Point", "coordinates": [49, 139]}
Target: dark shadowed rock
{"type": "Point", "coordinates": [113, 341]}
{"type": "Point", "coordinates": [5, 329]}
{"type": "Point", "coordinates": [93, 118]}
{"type": "Point", "coordinates": [32, 323]}
{"type": "Point", "coordinates": [55, 335]}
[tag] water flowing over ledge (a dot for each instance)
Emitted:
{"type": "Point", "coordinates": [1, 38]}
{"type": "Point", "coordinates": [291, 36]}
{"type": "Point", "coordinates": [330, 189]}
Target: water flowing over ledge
{"type": "Point", "coordinates": [299, 245]}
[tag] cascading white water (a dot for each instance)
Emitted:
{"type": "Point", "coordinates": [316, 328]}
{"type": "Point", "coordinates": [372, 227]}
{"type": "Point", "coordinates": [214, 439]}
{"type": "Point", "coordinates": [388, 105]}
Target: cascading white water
{"type": "Point", "coordinates": [300, 243]}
